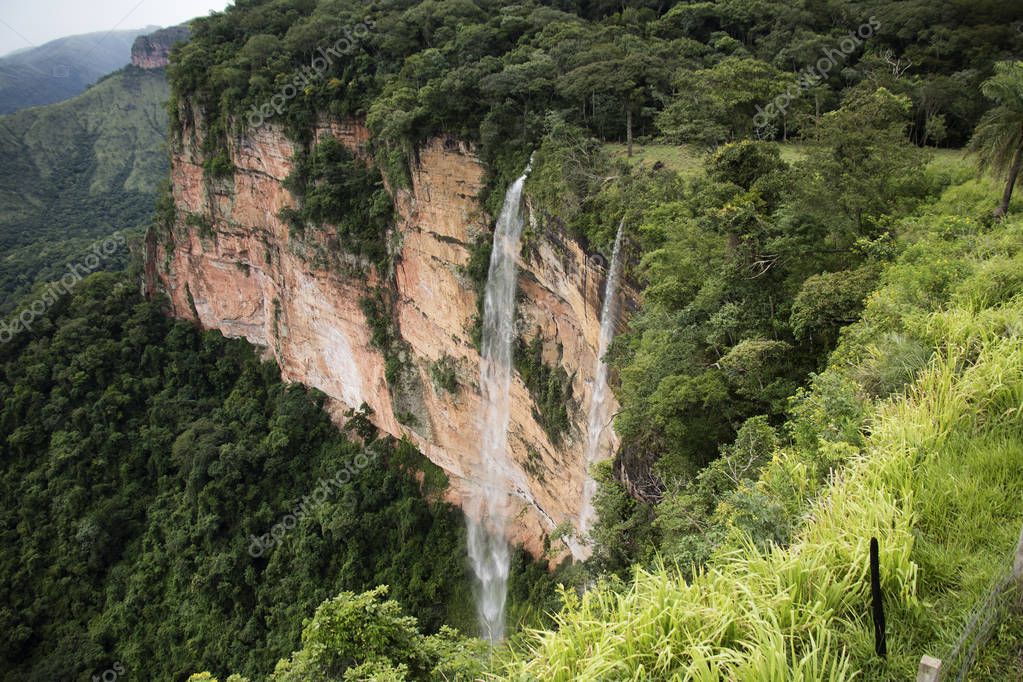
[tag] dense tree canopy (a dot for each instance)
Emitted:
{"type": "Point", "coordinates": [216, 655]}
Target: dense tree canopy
{"type": "Point", "coordinates": [489, 70]}
{"type": "Point", "coordinates": [149, 471]}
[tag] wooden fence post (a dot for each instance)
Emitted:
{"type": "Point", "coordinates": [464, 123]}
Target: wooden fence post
{"type": "Point", "coordinates": [929, 671]}
{"type": "Point", "coordinates": [877, 601]}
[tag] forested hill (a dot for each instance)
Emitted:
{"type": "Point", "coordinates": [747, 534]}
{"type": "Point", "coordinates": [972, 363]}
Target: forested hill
{"type": "Point", "coordinates": [76, 171]}
{"type": "Point", "coordinates": [62, 68]}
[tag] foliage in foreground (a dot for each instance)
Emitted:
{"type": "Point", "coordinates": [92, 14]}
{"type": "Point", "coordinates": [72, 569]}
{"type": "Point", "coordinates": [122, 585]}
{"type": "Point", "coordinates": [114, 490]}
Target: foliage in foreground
{"type": "Point", "coordinates": [361, 638]}
{"type": "Point", "coordinates": [140, 460]}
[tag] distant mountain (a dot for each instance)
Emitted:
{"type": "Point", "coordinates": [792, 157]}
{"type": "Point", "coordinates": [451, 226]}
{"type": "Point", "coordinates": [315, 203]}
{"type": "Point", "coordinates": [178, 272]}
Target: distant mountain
{"type": "Point", "coordinates": [62, 68]}
{"type": "Point", "coordinates": [76, 171]}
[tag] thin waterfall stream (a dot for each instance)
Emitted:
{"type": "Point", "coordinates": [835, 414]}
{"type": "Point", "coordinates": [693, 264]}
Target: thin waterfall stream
{"type": "Point", "coordinates": [598, 414]}
{"type": "Point", "coordinates": [488, 510]}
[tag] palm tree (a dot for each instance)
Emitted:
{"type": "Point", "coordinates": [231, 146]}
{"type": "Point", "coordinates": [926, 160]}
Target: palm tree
{"type": "Point", "coordinates": [998, 138]}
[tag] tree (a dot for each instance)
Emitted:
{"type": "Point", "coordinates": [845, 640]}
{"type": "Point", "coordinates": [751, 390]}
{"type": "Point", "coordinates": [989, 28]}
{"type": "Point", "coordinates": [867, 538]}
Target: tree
{"type": "Point", "coordinates": [863, 172]}
{"type": "Point", "coordinates": [998, 139]}
{"type": "Point", "coordinates": [718, 104]}
{"type": "Point", "coordinates": [365, 637]}
{"type": "Point", "coordinates": [694, 516]}
{"type": "Point", "coordinates": [526, 82]}
{"type": "Point", "coordinates": [830, 300]}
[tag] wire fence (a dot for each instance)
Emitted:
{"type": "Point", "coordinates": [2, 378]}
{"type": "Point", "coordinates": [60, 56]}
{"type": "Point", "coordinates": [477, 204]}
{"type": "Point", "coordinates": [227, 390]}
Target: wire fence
{"type": "Point", "coordinates": [1004, 596]}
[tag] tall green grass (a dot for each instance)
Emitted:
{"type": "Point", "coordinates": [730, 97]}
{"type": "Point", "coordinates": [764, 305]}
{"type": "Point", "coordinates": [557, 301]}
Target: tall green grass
{"type": "Point", "coordinates": [933, 471]}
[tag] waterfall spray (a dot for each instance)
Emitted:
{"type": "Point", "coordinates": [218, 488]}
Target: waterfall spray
{"type": "Point", "coordinates": [487, 510]}
{"type": "Point", "coordinates": [598, 416]}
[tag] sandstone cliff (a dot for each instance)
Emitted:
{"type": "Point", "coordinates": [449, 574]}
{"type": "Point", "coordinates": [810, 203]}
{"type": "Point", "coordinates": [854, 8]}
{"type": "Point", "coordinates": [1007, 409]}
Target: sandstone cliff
{"type": "Point", "coordinates": [153, 51]}
{"type": "Point", "coordinates": [230, 263]}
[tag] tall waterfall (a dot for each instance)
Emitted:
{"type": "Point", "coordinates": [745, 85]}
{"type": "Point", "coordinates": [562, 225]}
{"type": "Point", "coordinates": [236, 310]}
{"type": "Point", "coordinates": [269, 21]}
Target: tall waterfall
{"type": "Point", "coordinates": [488, 511]}
{"type": "Point", "coordinates": [598, 416]}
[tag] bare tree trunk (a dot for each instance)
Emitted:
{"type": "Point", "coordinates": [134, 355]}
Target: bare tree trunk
{"type": "Point", "coordinates": [731, 244]}
{"type": "Point", "coordinates": [1017, 163]}
{"type": "Point", "coordinates": [816, 117]}
{"type": "Point", "coordinates": [628, 128]}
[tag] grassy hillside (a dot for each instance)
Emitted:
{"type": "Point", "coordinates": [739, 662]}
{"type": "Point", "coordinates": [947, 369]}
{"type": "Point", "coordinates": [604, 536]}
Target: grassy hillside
{"type": "Point", "coordinates": [913, 434]}
{"type": "Point", "coordinates": [62, 68]}
{"type": "Point", "coordinates": [76, 171]}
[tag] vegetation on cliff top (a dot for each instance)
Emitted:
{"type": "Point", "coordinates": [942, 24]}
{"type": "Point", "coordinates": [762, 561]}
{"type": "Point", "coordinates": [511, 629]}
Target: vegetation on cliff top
{"type": "Point", "coordinates": [489, 71]}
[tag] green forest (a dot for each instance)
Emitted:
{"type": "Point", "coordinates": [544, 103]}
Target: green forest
{"type": "Point", "coordinates": [145, 460]}
{"type": "Point", "coordinates": [822, 232]}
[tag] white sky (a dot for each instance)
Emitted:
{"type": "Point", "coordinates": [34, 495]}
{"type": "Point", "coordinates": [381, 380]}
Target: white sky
{"type": "Point", "coordinates": [24, 23]}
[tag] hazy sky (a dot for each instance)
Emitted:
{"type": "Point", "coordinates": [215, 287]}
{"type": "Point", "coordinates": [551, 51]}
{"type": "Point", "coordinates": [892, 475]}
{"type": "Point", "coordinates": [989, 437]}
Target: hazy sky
{"type": "Point", "coordinates": [24, 23]}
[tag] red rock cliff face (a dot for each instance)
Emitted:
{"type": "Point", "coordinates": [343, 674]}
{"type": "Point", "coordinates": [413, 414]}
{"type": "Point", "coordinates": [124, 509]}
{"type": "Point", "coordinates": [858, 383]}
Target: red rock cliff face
{"type": "Point", "coordinates": [229, 263]}
{"type": "Point", "coordinates": [153, 51]}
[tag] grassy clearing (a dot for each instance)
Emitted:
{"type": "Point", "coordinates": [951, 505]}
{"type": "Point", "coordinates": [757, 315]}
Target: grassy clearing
{"type": "Point", "coordinates": [935, 477]}
{"type": "Point", "coordinates": [685, 159]}
{"type": "Point", "coordinates": [688, 160]}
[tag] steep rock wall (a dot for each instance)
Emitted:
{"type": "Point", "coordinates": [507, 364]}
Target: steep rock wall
{"type": "Point", "coordinates": [153, 51]}
{"type": "Point", "coordinates": [230, 263]}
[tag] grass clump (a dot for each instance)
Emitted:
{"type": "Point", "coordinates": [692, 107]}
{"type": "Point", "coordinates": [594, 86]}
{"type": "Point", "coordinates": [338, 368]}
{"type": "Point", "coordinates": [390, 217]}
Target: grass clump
{"type": "Point", "coordinates": [444, 372]}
